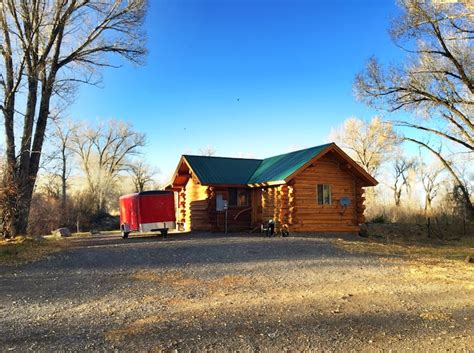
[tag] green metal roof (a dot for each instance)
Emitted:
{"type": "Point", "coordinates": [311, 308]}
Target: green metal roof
{"type": "Point", "coordinates": [282, 166]}
{"type": "Point", "coordinates": [220, 170]}
{"type": "Point", "coordinates": [232, 171]}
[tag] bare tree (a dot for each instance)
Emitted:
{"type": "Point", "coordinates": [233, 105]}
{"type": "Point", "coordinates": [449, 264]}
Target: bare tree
{"type": "Point", "coordinates": [142, 174]}
{"type": "Point", "coordinates": [104, 151]}
{"type": "Point", "coordinates": [61, 154]}
{"type": "Point", "coordinates": [369, 143]}
{"type": "Point", "coordinates": [51, 187]}
{"type": "Point", "coordinates": [401, 168]}
{"type": "Point", "coordinates": [207, 151]}
{"type": "Point", "coordinates": [48, 47]}
{"type": "Point", "coordinates": [429, 175]}
{"type": "Point", "coordinates": [436, 82]}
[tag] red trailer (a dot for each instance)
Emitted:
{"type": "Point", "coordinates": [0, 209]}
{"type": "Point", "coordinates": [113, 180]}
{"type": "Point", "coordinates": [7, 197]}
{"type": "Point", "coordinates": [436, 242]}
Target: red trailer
{"type": "Point", "coordinates": [147, 211]}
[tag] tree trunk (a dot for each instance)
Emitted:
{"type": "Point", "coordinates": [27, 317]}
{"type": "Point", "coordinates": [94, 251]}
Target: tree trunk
{"type": "Point", "coordinates": [427, 203]}
{"type": "Point", "coordinates": [64, 179]}
{"type": "Point", "coordinates": [25, 151]}
{"type": "Point", "coordinates": [27, 182]}
{"type": "Point", "coordinates": [23, 177]}
{"type": "Point", "coordinates": [22, 212]}
{"type": "Point", "coordinates": [65, 213]}
{"type": "Point", "coordinates": [397, 196]}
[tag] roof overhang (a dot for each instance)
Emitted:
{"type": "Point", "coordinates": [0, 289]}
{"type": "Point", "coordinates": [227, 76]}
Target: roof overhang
{"type": "Point", "coordinates": [225, 185]}
{"type": "Point", "coordinates": [269, 183]}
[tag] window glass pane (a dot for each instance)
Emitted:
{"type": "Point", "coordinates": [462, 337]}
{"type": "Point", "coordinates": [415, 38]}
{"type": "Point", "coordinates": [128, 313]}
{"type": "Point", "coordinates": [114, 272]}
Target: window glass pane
{"type": "Point", "coordinates": [327, 195]}
{"type": "Point", "coordinates": [242, 197]}
{"type": "Point", "coordinates": [320, 194]}
{"type": "Point", "coordinates": [232, 197]}
{"type": "Point", "coordinates": [324, 194]}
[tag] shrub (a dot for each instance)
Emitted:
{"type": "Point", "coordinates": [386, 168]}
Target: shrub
{"type": "Point", "coordinates": [45, 214]}
{"type": "Point", "coordinates": [381, 218]}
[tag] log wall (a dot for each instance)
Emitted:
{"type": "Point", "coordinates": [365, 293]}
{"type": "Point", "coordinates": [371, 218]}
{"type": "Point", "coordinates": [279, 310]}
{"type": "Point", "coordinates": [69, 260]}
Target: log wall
{"type": "Point", "coordinates": [238, 218]}
{"type": "Point", "coordinates": [359, 199]}
{"type": "Point", "coordinates": [273, 202]}
{"type": "Point", "coordinates": [296, 205]}
{"type": "Point", "coordinates": [197, 209]}
{"type": "Point", "coordinates": [309, 216]}
{"type": "Point", "coordinates": [194, 203]}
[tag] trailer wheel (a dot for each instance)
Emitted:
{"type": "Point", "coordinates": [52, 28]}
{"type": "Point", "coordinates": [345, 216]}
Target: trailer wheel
{"type": "Point", "coordinates": [125, 235]}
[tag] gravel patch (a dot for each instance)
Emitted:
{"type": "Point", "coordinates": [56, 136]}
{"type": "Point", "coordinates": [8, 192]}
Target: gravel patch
{"type": "Point", "coordinates": [204, 291]}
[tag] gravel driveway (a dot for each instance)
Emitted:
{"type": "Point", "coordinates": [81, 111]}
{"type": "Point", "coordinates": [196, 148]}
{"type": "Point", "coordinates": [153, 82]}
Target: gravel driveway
{"type": "Point", "coordinates": [213, 292]}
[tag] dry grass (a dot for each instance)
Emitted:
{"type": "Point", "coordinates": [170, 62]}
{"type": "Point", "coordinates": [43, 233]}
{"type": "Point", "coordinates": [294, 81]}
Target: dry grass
{"type": "Point", "coordinates": [454, 250]}
{"type": "Point", "coordinates": [24, 249]}
{"type": "Point", "coordinates": [426, 270]}
{"type": "Point", "coordinates": [422, 263]}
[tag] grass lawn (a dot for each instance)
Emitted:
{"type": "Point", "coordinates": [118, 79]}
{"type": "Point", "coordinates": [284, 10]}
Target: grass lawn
{"type": "Point", "coordinates": [450, 250]}
{"type": "Point", "coordinates": [26, 249]}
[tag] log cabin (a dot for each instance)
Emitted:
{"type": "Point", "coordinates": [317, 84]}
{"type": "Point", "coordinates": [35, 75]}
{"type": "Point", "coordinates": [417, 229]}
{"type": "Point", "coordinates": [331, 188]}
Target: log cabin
{"type": "Point", "coordinates": [318, 189]}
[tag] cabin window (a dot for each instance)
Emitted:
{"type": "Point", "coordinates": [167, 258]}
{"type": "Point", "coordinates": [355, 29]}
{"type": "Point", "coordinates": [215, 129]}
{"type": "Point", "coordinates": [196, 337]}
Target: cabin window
{"type": "Point", "coordinates": [324, 194]}
{"type": "Point", "coordinates": [238, 197]}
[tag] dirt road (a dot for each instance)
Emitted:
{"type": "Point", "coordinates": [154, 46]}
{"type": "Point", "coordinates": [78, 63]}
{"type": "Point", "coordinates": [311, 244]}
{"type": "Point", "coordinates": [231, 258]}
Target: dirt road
{"type": "Point", "coordinates": [215, 292]}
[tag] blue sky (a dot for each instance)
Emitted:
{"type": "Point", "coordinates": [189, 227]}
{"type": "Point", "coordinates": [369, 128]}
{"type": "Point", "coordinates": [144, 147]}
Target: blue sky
{"type": "Point", "coordinates": [249, 78]}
